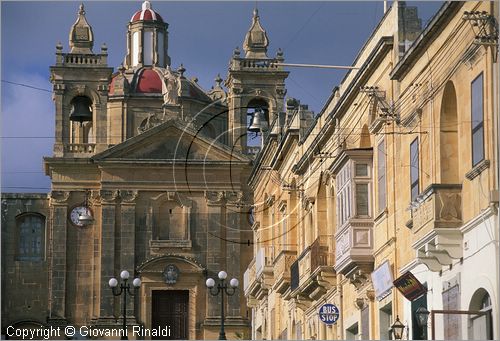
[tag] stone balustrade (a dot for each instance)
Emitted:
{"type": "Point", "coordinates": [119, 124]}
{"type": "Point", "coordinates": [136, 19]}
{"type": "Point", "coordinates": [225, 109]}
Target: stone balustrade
{"type": "Point", "coordinates": [80, 148]}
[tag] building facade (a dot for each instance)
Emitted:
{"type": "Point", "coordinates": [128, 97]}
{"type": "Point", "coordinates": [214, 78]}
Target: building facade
{"type": "Point", "coordinates": [397, 175]}
{"type": "Point", "coordinates": [161, 166]}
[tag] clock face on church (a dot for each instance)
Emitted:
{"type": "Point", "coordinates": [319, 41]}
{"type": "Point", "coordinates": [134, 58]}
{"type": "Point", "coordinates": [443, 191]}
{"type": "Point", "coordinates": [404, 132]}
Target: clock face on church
{"type": "Point", "coordinates": [76, 212]}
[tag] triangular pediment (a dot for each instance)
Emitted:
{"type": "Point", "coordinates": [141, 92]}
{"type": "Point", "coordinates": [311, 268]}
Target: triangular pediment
{"type": "Point", "coordinates": [171, 140]}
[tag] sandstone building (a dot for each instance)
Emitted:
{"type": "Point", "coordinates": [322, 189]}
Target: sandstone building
{"type": "Point", "coordinates": [161, 166]}
{"type": "Point", "coordinates": [397, 174]}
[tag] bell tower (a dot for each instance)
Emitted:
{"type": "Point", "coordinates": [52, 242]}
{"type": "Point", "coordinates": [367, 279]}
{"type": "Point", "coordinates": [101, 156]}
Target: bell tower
{"type": "Point", "coordinates": [80, 86]}
{"type": "Point", "coordinates": [256, 85]}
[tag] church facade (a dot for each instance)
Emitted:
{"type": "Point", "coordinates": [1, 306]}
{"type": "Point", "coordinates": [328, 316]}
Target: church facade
{"type": "Point", "coordinates": [148, 174]}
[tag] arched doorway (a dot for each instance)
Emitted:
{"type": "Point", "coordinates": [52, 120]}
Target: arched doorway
{"type": "Point", "coordinates": [448, 136]}
{"type": "Point", "coordinates": [480, 327]}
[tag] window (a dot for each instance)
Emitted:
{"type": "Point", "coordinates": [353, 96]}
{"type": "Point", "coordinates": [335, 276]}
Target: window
{"type": "Point", "coordinates": [31, 237]}
{"type": "Point", "coordinates": [344, 194]}
{"type": "Point", "coordinates": [353, 192]}
{"type": "Point", "coordinates": [414, 169]}
{"type": "Point", "coordinates": [381, 176]}
{"type": "Point", "coordinates": [284, 229]}
{"type": "Point", "coordinates": [477, 120]}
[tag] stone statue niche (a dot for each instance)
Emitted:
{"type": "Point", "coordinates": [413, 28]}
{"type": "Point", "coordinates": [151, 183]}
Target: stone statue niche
{"type": "Point", "coordinates": [171, 222]}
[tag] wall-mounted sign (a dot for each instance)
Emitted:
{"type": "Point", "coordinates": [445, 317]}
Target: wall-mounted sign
{"type": "Point", "coordinates": [409, 286]}
{"type": "Point", "coordinates": [382, 280]}
{"type": "Point", "coordinates": [329, 313]}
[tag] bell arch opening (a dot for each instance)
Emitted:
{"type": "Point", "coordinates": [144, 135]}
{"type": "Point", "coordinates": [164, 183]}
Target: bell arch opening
{"type": "Point", "coordinates": [81, 117]}
{"type": "Point", "coordinates": [257, 121]}
{"type": "Point", "coordinates": [448, 136]}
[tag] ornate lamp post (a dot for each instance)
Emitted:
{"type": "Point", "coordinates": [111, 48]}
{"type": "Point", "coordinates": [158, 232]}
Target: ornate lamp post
{"type": "Point", "coordinates": [223, 289]}
{"type": "Point", "coordinates": [397, 329]}
{"type": "Point", "coordinates": [124, 289]}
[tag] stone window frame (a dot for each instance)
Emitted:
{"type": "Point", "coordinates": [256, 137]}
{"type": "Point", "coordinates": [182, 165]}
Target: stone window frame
{"type": "Point", "coordinates": [31, 256]}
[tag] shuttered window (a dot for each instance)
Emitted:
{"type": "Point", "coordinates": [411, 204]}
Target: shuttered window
{"type": "Point", "coordinates": [477, 120]}
{"type": "Point", "coordinates": [414, 169]}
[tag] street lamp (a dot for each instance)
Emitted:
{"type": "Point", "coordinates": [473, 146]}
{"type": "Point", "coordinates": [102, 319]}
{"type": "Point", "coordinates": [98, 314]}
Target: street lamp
{"type": "Point", "coordinates": [422, 315]}
{"type": "Point", "coordinates": [397, 329]}
{"type": "Point", "coordinates": [124, 289]}
{"type": "Point", "coordinates": [223, 289]}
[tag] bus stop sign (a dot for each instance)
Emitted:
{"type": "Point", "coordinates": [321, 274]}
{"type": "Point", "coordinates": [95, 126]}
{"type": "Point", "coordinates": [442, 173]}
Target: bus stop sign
{"type": "Point", "coordinates": [329, 313]}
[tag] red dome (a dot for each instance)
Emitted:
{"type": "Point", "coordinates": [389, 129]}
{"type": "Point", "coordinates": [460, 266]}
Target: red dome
{"type": "Point", "coordinates": [146, 14]}
{"type": "Point", "coordinates": [149, 82]}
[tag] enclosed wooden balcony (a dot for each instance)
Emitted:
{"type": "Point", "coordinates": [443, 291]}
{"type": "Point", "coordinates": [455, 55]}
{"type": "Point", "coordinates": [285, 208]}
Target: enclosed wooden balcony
{"type": "Point", "coordinates": [282, 273]}
{"type": "Point", "coordinates": [435, 224]}
{"type": "Point", "coordinates": [258, 277]}
{"type": "Point", "coordinates": [354, 248]}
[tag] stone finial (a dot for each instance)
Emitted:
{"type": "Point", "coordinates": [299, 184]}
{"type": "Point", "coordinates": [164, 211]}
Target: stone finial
{"type": "Point", "coordinates": [146, 5]}
{"type": "Point", "coordinates": [236, 52]}
{"type": "Point", "coordinates": [279, 53]}
{"type": "Point", "coordinates": [81, 37]}
{"type": "Point", "coordinates": [59, 46]}
{"type": "Point", "coordinates": [181, 71]}
{"type": "Point", "coordinates": [218, 81]}
{"type": "Point", "coordinates": [256, 41]}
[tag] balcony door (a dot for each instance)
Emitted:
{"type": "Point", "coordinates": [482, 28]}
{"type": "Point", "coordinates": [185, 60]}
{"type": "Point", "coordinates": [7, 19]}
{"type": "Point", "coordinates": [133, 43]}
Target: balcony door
{"type": "Point", "coordinates": [170, 309]}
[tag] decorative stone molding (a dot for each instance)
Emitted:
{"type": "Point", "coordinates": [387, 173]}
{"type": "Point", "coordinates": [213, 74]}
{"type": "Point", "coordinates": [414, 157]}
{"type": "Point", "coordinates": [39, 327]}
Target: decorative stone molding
{"type": "Point", "coordinates": [359, 278]}
{"type": "Point", "coordinates": [237, 91]}
{"type": "Point", "coordinates": [325, 177]}
{"type": "Point", "coordinates": [307, 202]}
{"type": "Point", "coordinates": [269, 200]}
{"type": "Point", "coordinates": [179, 198]}
{"type": "Point", "coordinates": [478, 169]}
{"type": "Point", "coordinates": [215, 197]}
{"type": "Point", "coordinates": [129, 196]}
{"type": "Point", "coordinates": [59, 197]}
{"type": "Point", "coordinates": [237, 198]}
{"type": "Point", "coordinates": [108, 196]}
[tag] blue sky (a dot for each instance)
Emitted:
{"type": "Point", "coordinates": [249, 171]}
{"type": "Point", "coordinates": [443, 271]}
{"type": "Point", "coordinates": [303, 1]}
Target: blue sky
{"type": "Point", "coordinates": [202, 36]}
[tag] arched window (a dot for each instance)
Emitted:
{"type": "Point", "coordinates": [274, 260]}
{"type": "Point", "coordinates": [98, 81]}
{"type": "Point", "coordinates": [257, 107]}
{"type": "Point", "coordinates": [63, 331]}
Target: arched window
{"type": "Point", "coordinates": [31, 237]}
{"type": "Point", "coordinates": [481, 326]}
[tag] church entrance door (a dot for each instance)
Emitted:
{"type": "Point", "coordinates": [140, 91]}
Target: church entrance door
{"type": "Point", "coordinates": [170, 309]}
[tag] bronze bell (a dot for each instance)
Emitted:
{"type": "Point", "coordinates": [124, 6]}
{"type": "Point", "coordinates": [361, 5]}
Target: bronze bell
{"type": "Point", "coordinates": [81, 109]}
{"type": "Point", "coordinates": [259, 123]}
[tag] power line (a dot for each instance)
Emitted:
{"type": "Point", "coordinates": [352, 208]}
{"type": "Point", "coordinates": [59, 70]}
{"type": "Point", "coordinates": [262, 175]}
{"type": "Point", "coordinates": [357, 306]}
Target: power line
{"type": "Point", "coordinates": [26, 86]}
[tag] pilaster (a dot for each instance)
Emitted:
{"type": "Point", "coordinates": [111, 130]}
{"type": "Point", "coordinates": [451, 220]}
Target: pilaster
{"type": "Point", "coordinates": [57, 255]}
{"type": "Point", "coordinates": [215, 205]}
{"type": "Point", "coordinates": [127, 236]}
{"type": "Point", "coordinates": [108, 214]}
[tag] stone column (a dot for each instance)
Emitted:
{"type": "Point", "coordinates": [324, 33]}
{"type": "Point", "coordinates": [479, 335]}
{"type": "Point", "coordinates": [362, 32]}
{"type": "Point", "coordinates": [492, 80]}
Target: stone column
{"type": "Point", "coordinates": [108, 222]}
{"type": "Point", "coordinates": [127, 238]}
{"type": "Point", "coordinates": [57, 256]}
{"type": "Point", "coordinates": [215, 202]}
